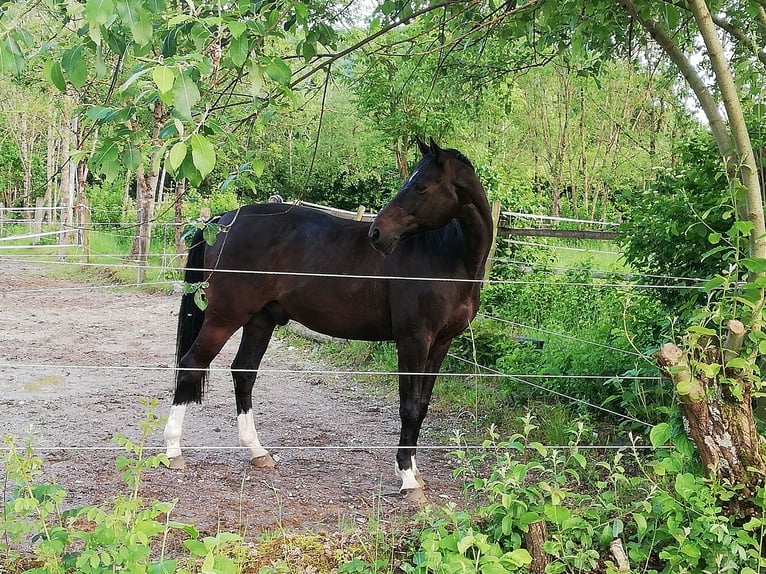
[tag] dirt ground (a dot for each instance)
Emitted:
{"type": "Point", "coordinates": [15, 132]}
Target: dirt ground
{"type": "Point", "coordinates": [75, 361]}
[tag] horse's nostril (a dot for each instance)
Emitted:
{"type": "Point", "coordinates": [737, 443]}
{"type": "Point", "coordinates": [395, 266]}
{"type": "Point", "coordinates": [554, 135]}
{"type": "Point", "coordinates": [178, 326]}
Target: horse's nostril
{"type": "Point", "coordinates": [374, 234]}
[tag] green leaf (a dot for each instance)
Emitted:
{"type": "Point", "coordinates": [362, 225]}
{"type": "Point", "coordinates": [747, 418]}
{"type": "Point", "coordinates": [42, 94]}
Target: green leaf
{"type": "Point", "coordinates": [279, 71]}
{"type": "Point", "coordinates": [709, 370]}
{"type": "Point", "coordinates": [684, 387]}
{"type": "Point", "coordinates": [135, 17]}
{"type": "Point", "coordinates": [98, 12]}
{"type": "Point", "coordinates": [738, 363]}
{"type": "Point", "coordinates": [660, 434]}
{"type": "Point", "coordinates": [691, 549]}
{"type": "Point", "coordinates": [185, 95]}
{"type": "Point", "coordinates": [177, 156]}
{"type": "Point", "coordinates": [308, 51]}
{"type": "Point", "coordinates": [170, 44]}
{"type": "Point", "coordinates": [714, 283]}
{"type": "Point", "coordinates": [195, 547]}
{"type": "Point", "coordinates": [131, 157]}
{"type": "Point", "coordinates": [556, 514]}
{"type": "Point", "coordinates": [239, 49]}
{"type": "Point", "coordinates": [11, 60]}
{"type": "Point", "coordinates": [164, 77]}
{"type": "Point", "coordinates": [617, 528]}
{"type": "Point", "coordinates": [52, 73]}
{"type": "Point", "coordinates": [74, 67]}
{"type": "Point", "coordinates": [697, 329]}
{"type": "Point", "coordinates": [236, 28]}
{"type": "Point", "coordinates": [203, 154]}
{"type": "Point", "coordinates": [755, 265]}
{"type": "Point", "coordinates": [256, 79]}
{"type": "Point", "coordinates": [98, 113]}
{"type": "Point", "coordinates": [641, 524]}
{"type": "Point", "coordinates": [258, 166]}
{"type": "Point", "coordinates": [686, 484]}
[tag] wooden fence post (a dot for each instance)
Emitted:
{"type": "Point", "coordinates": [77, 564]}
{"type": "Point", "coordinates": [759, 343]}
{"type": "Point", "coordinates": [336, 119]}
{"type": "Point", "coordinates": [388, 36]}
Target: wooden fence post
{"type": "Point", "coordinates": [493, 247]}
{"type": "Point", "coordinates": [37, 226]}
{"type": "Point", "coordinates": [360, 212]}
{"type": "Point", "coordinates": [86, 226]}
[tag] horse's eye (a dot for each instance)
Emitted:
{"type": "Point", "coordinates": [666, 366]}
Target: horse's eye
{"type": "Point", "coordinates": [420, 188]}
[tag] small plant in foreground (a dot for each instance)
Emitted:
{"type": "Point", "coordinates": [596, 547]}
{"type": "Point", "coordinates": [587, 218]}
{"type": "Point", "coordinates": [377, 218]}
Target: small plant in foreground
{"type": "Point", "coordinates": [116, 536]}
{"type": "Point", "coordinates": [658, 508]}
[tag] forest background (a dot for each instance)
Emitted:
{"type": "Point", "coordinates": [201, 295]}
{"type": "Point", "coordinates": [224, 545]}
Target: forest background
{"type": "Point", "coordinates": [646, 114]}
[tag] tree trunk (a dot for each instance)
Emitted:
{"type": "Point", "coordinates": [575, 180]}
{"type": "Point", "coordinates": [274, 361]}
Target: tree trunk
{"type": "Point", "coordinates": [82, 179]}
{"type": "Point", "coordinates": [179, 216]}
{"type": "Point", "coordinates": [67, 189]}
{"type": "Point", "coordinates": [146, 188]}
{"type": "Point", "coordinates": [745, 157]}
{"type": "Point", "coordinates": [535, 540]}
{"type": "Point", "coordinates": [51, 168]}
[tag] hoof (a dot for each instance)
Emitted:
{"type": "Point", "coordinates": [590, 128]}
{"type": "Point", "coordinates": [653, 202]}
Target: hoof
{"type": "Point", "coordinates": [264, 461]}
{"type": "Point", "coordinates": [177, 463]}
{"type": "Point", "coordinates": [415, 497]}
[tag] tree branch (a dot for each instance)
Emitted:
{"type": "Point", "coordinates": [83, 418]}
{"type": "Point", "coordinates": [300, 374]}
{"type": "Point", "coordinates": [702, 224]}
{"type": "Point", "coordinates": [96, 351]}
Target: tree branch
{"type": "Point", "coordinates": [740, 36]}
{"type": "Point", "coordinates": [332, 58]}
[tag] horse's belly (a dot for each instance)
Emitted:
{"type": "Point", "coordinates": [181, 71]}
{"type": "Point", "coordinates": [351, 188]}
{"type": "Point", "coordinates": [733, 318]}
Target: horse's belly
{"type": "Point", "coordinates": [343, 318]}
{"type": "Point", "coordinates": [337, 327]}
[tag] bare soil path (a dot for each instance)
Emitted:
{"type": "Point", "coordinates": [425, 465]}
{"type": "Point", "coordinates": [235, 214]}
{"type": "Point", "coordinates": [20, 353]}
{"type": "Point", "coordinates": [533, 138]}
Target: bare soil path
{"type": "Point", "coordinates": [75, 361]}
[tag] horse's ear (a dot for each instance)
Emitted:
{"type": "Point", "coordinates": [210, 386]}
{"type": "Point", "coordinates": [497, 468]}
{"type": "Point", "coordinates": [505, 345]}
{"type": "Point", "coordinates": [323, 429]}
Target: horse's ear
{"type": "Point", "coordinates": [436, 152]}
{"type": "Point", "coordinates": [424, 149]}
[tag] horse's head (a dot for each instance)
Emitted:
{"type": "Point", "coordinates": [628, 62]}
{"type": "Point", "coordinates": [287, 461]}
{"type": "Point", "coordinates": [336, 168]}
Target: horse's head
{"type": "Point", "coordinates": [429, 199]}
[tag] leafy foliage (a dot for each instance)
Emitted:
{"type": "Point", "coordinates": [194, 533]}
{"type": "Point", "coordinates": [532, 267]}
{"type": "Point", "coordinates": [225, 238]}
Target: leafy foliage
{"type": "Point", "coordinates": [557, 326]}
{"type": "Point", "coordinates": [677, 229]}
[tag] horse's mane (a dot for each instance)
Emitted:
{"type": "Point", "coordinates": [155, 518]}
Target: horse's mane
{"type": "Point", "coordinates": [461, 158]}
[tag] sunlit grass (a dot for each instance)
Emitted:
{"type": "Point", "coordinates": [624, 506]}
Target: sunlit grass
{"type": "Point", "coordinates": [598, 255]}
{"type": "Point", "coordinates": [106, 258]}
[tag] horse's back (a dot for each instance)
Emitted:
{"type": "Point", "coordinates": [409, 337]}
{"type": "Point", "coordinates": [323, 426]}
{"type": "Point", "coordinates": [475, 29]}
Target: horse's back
{"type": "Point", "coordinates": [299, 263]}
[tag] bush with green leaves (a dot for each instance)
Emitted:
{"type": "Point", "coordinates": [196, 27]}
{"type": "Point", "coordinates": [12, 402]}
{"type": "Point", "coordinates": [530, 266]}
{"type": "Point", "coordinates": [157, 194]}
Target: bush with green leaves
{"type": "Point", "coordinates": [567, 328]}
{"type": "Point", "coordinates": [667, 227]}
{"type": "Point", "coordinates": [124, 534]}
{"type": "Point", "coordinates": [667, 516]}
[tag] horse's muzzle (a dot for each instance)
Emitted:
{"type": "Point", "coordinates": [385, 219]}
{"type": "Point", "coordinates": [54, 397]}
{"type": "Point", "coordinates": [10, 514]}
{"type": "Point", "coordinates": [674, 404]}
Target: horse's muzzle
{"type": "Point", "coordinates": [384, 243]}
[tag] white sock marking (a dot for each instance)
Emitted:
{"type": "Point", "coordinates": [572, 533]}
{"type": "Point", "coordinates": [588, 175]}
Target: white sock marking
{"type": "Point", "coordinates": [408, 476]}
{"type": "Point", "coordinates": [173, 430]}
{"type": "Point", "coordinates": [248, 436]}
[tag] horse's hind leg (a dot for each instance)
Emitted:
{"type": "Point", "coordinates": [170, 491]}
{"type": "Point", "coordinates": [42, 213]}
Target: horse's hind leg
{"type": "Point", "coordinates": [255, 339]}
{"type": "Point", "coordinates": [190, 380]}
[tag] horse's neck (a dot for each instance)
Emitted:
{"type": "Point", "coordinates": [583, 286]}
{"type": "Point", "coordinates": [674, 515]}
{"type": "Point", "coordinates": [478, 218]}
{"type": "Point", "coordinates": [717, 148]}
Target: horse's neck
{"type": "Point", "coordinates": [476, 222]}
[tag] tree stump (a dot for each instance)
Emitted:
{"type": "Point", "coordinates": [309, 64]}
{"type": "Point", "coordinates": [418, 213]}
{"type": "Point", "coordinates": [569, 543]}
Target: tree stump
{"type": "Point", "coordinates": [714, 388]}
{"type": "Point", "coordinates": [535, 540]}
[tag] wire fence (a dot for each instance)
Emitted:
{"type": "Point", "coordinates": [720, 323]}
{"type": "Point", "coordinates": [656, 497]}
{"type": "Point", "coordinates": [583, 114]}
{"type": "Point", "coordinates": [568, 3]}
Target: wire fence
{"type": "Point", "coordinates": [170, 268]}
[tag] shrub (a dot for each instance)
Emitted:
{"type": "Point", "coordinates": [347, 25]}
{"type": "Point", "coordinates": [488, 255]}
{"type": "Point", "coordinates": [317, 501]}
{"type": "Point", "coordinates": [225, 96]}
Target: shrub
{"type": "Point", "coordinates": [660, 509]}
{"type": "Point", "coordinates": [569, 328]}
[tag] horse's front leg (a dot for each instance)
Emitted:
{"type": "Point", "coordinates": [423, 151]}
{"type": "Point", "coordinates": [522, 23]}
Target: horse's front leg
{"type": "Point", "coordinates": [414, 397]}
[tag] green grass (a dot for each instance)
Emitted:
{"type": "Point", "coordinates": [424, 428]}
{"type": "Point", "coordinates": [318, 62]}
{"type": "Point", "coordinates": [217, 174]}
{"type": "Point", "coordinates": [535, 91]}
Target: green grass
{"type": "Point", "coordinates": [106, 261]}
{"type": "Point", "coordinates": [601, 255]}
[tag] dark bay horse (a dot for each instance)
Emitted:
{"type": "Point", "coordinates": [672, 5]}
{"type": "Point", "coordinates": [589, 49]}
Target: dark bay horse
{"type": "Point", "coordinates": [275, 262]}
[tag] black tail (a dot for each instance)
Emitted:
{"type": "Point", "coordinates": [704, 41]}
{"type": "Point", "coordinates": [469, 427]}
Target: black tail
{"type": "Point", "coordinates": [190, 318]}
